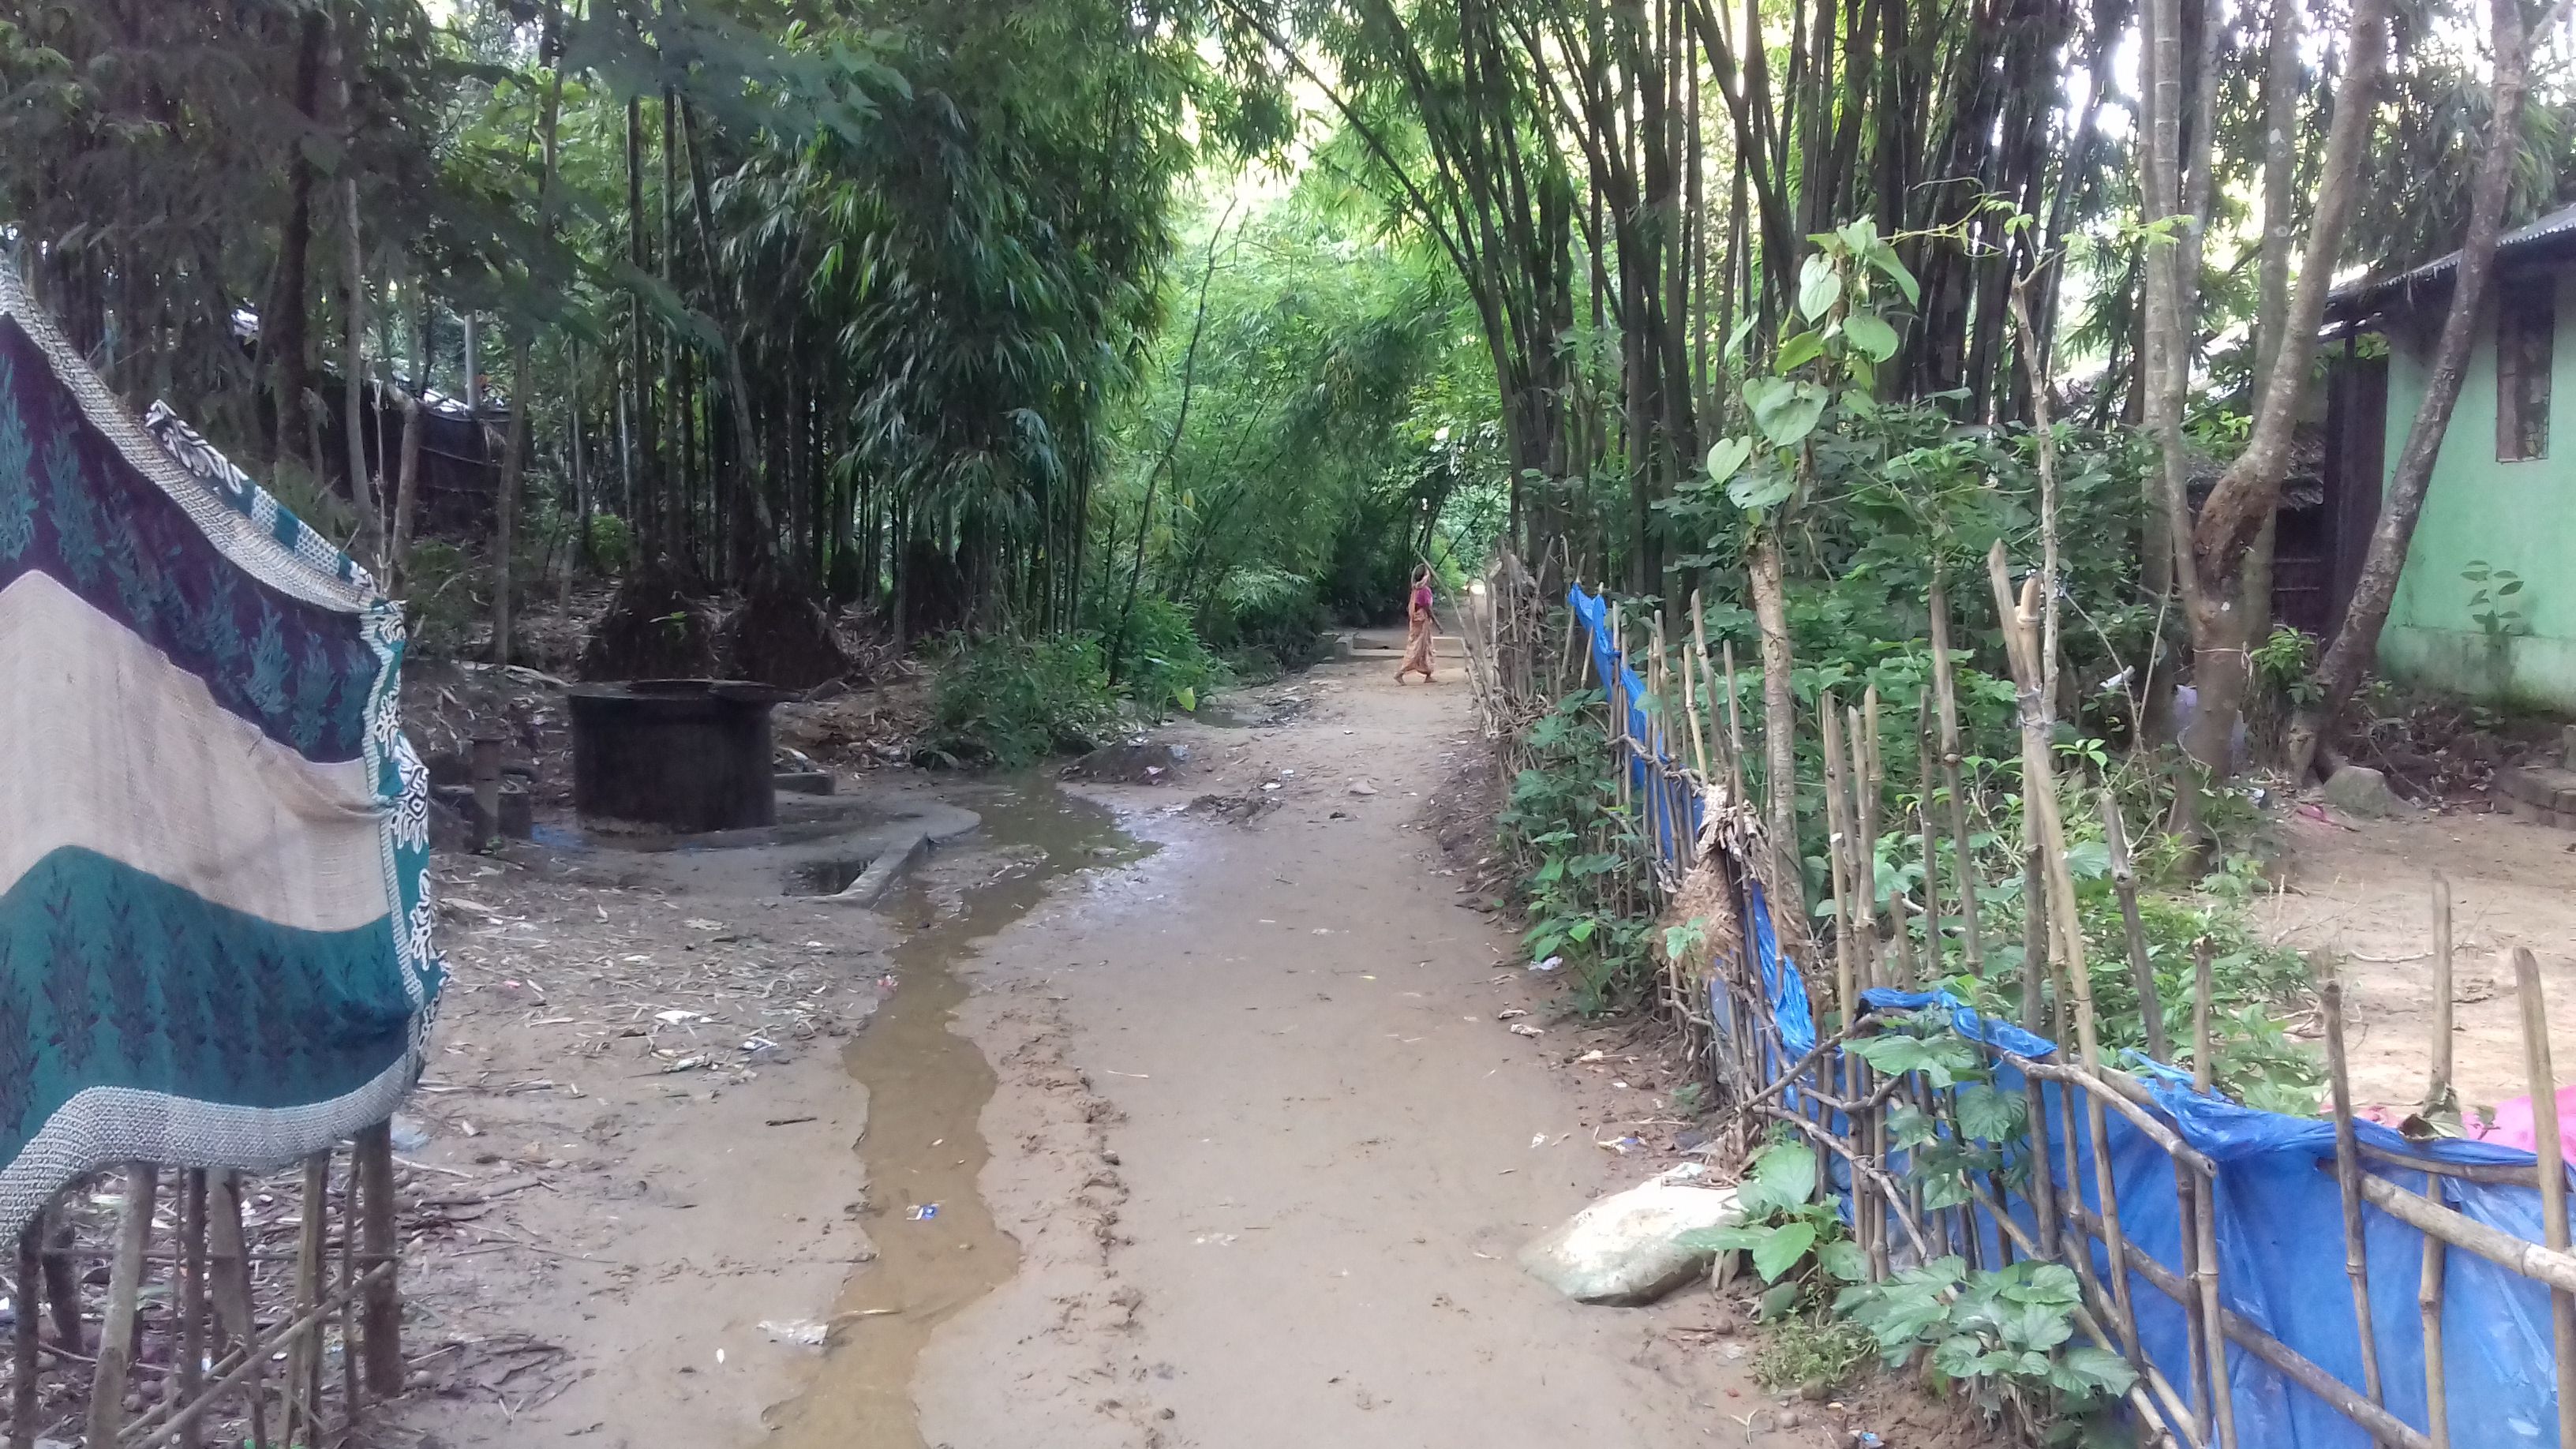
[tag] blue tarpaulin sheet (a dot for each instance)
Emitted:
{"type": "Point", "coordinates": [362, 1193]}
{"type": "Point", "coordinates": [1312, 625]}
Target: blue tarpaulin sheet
{"type": "Point", "coordinates": [2279, 1221]}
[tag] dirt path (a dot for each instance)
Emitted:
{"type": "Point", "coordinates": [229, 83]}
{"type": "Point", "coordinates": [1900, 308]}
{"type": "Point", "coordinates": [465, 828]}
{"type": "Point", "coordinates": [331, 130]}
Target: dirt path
{"type": "Point", "coordinates": [1267, 1153]}
{"type": "Point", "coordinates": [2362, 894]}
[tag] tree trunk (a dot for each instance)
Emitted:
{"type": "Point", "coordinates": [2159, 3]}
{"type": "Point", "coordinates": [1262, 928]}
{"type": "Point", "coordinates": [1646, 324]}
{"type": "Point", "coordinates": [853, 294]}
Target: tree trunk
{"type": "Point", "coordinates": [406, 495]}
{"type": "Point", "coordinates": [353, 268]}
{"type": "Point", "coordinates": [2280, 169]}
{"type": "Point", "coordinates": [2356, 642]}
{"type": "Point", "coordinates": [2250, 490]}
{"type": "Point", "coordinates": [514, 454]}
{"type": "Point", "coordinates": [282, 339]}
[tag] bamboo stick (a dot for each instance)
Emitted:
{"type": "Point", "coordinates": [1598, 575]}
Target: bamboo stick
{"type": "Point", "coordinates": [2039, 802]}
{"type": "Point", "coordinates": [124, 1287]}
{"type": "Point", "coordinates": [1863, 847]}
{"type": "Point", "coordinates": [383, 1321]}
{"type": "Point", "coordinates": [1935, 967]}
{"type": "Point", "coordinates": [304, 1363]}
{"type": "Point", "coordinates": [230, 1279]}
{"type": "Point", "coordinates": [2553, 1174]}
{"type": "Point", "coordinates": [2554, 1267]}
{"type": "Point", "coordinates": [1838, 831]}
{"type": "Point", "coordinates": [26, 1335]}
{"type": "Point", "coordinates": [2124, 884]}
{"type": "Point", "coordinates": [247, 1370]}
{"type": "Point", "coordinates": [1734, 728]}
{"type": "Point", "coordinates": [2438, 1098]}
{"type": "Point", "coordinates": [1690, 697]}
{"type": "Point", "coordinates": [2204, 1203]}
{"type": "Point", "coordinates": [1900, 934]}
{"type": "Point", "coordinates": [2356, 1252]}
{"type": "Point", "coordinates": [1946, 698]}
{"type": "Point", "coordinates": [348, 1297]}
{"type": "Point", "coordinates": [2429, 1286]}
{"type": "Point", "coordinates": [192, 1294]}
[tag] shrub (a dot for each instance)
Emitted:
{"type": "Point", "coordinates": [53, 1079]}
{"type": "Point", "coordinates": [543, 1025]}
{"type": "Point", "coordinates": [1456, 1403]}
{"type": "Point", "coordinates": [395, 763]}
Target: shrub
{"type": "Point", "coordinates": [1163, 664]}
{"type": "Point", "coordinates": [1010, 702]}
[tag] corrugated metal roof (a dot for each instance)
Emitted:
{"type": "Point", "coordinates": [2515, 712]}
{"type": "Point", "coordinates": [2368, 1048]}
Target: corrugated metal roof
{"type": "Point", "coordinates": [2362, 297]}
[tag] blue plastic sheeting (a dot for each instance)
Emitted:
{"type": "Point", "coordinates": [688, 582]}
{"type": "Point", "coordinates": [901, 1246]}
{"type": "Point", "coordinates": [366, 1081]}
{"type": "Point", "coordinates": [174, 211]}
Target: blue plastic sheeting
{"type": "Point", "coordinates": [1671, 816]}
{"type": "Point", "coordinates": [2279, 1215]}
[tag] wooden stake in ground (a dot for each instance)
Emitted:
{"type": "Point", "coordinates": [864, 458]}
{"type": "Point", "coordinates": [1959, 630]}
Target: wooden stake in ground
{"type": "Point", "coordinates": [2553, 1174]}
{"type": "Point", "coordinates": [24, 1336]}
{"type": "Point", "coordinates": [1945, 696]}
{"type": "Point", "coordinates": [192, 1295]}
{"type": "Point", "coordinates": [2204, 1210]}
{"type": "Point", "coordinates": [2356, 1252]}
{"type": "Point", "coordinates": [2439, 1100]}
{"type": "Point", "coordinates": [124, 1286]}
{"type": "Point", "coordinates": [383, 1322]}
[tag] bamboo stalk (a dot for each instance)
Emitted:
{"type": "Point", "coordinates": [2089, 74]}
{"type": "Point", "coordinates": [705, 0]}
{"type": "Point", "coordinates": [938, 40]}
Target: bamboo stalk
{"type": "Point", "coordinates": [26, 1335]}
{"type": "Point", "coordinates": [1934, 965]}
{"type": "Point", "coordinates": [1734, 728]}
{"type": "Point", "coordinates": [2553, 1174]}
{"type": "Point", "coordinates": [1946, 698]}
{"type": "Point", "coordinates": [2124, 884]}
{"type": "Point", "coordinates": [2438, 1097]}
{"type": "Point", "coordinates": [192, 1294]}
{"type": "Point", "coordinates": [304, 1364]}
{"type": "Point", "coordinates": [1690, 697]}
{"type": "Point", "coordinates": [2356, 1253]}
{"type": "Point", "coordinates": [376, 1225]}
{"type": "Point", "coordinates": [2039, 802]}
{"type": "Point", "coordinates": [348, 1297]}
{"type": "Point", "coordinates": [230, 1279]}
{"type": "Point", "coordinates": [1901, 933]}
{"type": "Point", "coordinates": [2204, 1202]}
{"type": "Point", "coordinates": [2429, 1288]}
{"type": "Point", "coordinates": [2554, 1267]}
{"type": "Point", "coordinates": [247, 1370]}
{"type": "Point", "coordinates": [124, 1286]}
{"type": "Point", "coordinates": [1863, 847]}
{"type": "Point", "coordinates": [1838, 830]}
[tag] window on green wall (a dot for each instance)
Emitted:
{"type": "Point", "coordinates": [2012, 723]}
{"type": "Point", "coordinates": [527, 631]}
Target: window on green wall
{"type": "Point", "coordinates": [2526, 329]}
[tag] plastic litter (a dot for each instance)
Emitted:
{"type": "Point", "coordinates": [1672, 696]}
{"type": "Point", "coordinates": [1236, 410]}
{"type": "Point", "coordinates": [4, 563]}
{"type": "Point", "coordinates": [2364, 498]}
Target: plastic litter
{"type": "Point", "coordinates": [922, 1212]}
{"type": "Point", "coordinates": [1623, 1249]}
{"type": "Point", "coordinates": [803, 1332]}
{"type": "Point", "coordinates": [1523, 1028]}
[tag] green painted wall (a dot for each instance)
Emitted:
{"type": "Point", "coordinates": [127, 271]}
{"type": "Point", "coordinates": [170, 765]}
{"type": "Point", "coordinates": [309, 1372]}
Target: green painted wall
{"type": "Point", "coordinates": [2519, 516]}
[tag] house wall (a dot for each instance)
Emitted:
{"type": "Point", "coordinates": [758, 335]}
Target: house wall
{"type": "Point", "coordinates": [2519, 516]}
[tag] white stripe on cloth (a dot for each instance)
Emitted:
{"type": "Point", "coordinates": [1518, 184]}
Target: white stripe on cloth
{"type": "Point", "coordinates": [112, 748]}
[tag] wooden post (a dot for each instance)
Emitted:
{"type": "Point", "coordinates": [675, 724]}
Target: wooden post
{"type": "Point", "coordinates": [348, 1297]}
{"type": "Point", "coordinates": [2204, 1209]}
{"type": "Point", "coordinates": [2066, 928]}
{"type": "Point", "coordinates": [2553, 1174]}
{"type": "Point", "coordinates": [383, 1322]}
{"type": "Point", "coordinates": [1838, 831]}
{"type": "Point", "coordinates": [26, 1336]}
{"type": "Point", "coordinates": [1863, 817]}
{"type": "Point", "coordinates": [62, 1276]}
{"type": "Point", "coordinates": [2439, 1099]}
{"type": "Point", "coordinates": [1934, 967]}
{"type": "Point", "coordinates": [1734, 728]}
{"type": "Point", "coordinates": [2429, 1287]}
{"type": "Point", "coordinates": [1945, 695]}
{"type": "Point", "coordinates": [304, 1360]}
{"type": "Point", "coordinates": [2356, 1255]}
{"type": "Point", "coordinates": [192, 1295]}
{"type": "Point", "coordinates": [229, 1278]}
{"type": "Point", "coordinates": [2124, 884]}
{"type": "Point", "coordinates": [124, 1285]}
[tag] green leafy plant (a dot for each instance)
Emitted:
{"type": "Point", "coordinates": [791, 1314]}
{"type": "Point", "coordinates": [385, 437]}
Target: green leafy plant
{"type": "Point", "coordinates": [2004, 1335]}
{"type": "Point", "coordinates": [1009, 702]}
{"type": "Point", "coordinates": [1784, 1222]}
{"type": "Point", "coordinates": [1563, 821]}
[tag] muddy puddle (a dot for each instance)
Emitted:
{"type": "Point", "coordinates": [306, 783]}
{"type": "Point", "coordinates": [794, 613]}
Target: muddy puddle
{"type": "Point", "coordinates": [937, 1247]}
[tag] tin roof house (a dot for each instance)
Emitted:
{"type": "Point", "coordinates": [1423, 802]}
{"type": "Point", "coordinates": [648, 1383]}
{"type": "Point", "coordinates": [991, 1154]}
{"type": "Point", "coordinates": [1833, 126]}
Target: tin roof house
{"type": "Point", "coordinates": [2486, 607]}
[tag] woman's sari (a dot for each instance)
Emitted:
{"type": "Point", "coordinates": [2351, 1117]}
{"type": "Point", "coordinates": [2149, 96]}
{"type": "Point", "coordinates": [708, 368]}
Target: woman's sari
{"type": "Point", "coordinates": [1417, 637]}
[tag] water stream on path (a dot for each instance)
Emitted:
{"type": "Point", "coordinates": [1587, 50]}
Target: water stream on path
{"type": "Point", "coordinates": [937, 1247]}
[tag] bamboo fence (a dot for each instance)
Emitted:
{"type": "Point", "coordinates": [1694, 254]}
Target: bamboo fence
{"type": "Point", "coordinates": [2224, 1374]}
{"type": "Point", "coordinates": [296, 1369]}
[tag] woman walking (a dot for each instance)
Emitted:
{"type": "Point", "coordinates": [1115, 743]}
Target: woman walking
{"type": "Point", "coordinates": [1419, 626]}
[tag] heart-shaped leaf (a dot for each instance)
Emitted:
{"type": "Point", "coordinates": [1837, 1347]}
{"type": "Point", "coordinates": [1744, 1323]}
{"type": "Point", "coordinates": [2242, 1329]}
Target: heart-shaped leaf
{"type": "Point", "coordinates": [1727, 455]}
{"type": "Point", "coordinates": [1804, 348]}
{"type": "Point", "coordinates": [1788, 414]}
{"type": "Point", "coordinates": [1869, 336]}
{"type": "Point", "coordinates": [1819, 287]}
